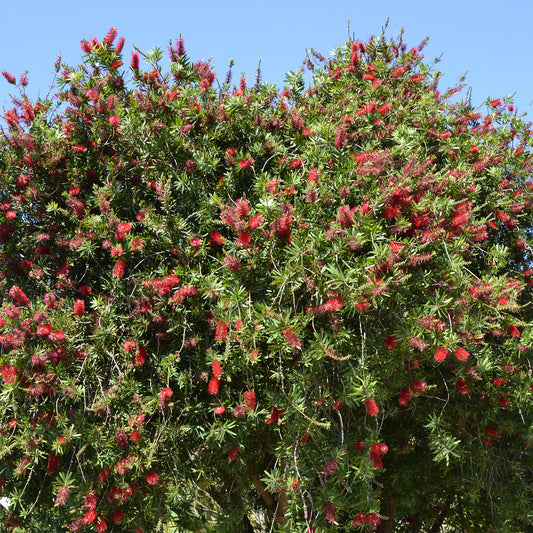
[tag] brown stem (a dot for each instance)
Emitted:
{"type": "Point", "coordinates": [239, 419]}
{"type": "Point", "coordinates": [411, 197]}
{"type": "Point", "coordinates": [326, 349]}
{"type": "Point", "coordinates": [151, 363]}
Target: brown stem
{"type": "Point", "coordinates": [388, 507]}
{"type": "Point", "coordinates": [277, 509]}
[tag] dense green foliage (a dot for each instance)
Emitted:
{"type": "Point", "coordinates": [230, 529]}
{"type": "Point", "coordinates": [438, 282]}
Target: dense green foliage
{"type": "Point", "coordinates": [230, 309]}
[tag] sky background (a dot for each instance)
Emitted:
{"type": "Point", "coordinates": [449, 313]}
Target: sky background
{"type": "Point", "coordinates": [490, 41]}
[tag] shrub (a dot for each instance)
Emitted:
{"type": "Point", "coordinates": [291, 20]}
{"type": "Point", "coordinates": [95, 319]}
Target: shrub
{"type": "Point", "coordinates": [224, 306]}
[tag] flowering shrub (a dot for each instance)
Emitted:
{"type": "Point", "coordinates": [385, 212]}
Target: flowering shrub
{"type": "Point", "coordinates": [221, 303]}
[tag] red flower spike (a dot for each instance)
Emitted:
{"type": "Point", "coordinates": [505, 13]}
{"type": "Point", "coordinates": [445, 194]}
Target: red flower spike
{"type": "Point", "coordinates": [118, 516]}
{"type": "Point", "coordinates": [441, 354]}
{"type": "Point", "coordinates": [135, 60]}
{"type": "Point", "coordinates": [514, 331]}
{"type": "Point", "coordinates": [418, 386]}
{"type": "Point", "coordinates": [375, 460]}
{"type": "Point", "coordinates": [152, 478]}
{"type": "Point", "coordinates": [217, 368]}
{"type": "Point", "coordinates": [461, 354]}
{"type": "Point", "coordinates": [380, 448]}
{"type": "Point", "coordinates": [405, 397]}
{"type": "Point", "coordinates": [461, 385]}
{"type": "Point", "coordinates": [249, 400]}
{"type": "Point", "coordinates": [371, 407]}
{"type": "Point", "coordinates": [140, 356]}
{"type": "Point", "coordinates": [214, 386]}
{"type": "Point", "coordinates": [234, 451]}
{"type": "Point", "coordinates": [275, 415]}
{"type": "Point", "coordinates": [390, 342]}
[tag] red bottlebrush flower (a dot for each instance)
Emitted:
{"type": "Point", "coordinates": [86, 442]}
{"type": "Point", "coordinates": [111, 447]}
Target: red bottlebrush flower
{"type": "Point", "coordinates": [405, 397]}
{"type": "Point", "coordinates": [461, 354]}
{"type": "Point", "coordinates": [292, 339]}
{"type": "Point", "coordinates": [514, 331]}
{"type": "Point", "coordinates": [359, 444]}
{"type": "Point", "coordinates": [363, 305]}
{"type": "Point", "coordinates": [195, 242]}
{"type": "Point", "coordinates": [233, 452]}
{"type": "Point", "coordinates": [140, 356]}
{"type": "Point", "coordinates": [135, 60]}
{"type": "Point", "coordinates": [340, 139]}
{"type": "Point", "coordinates": [217, 369]}
{"type": "Point", "coordinates": [53, 462]}
{"type": "Point", "coordinates": [104, 474]}
{"type": "Point", "coordinates": [114, 120]}
{"type": "Point", "coordinates": [329, 467]}
{"type": "Point", "coordinates": [244, 239]}
{"type": "Point", "coordinates": [9, 77]}
{"type": "Point", "coordinates": [498, 382]}
{"type": "Point", "coordinates": [78, 149]}
{"type": "Point", "coordinates": [118, 516]}
{"type": "Point", "coordinates": [239, 411]}
{"type": "Point", "coordinates": [391, 211]}
{"type": "Point", "coordinates": [120, 45]}
{"type": "Point", "coordinates": [129, 345]}
{"type": "Point", "coordinates": [44, 330]}
{"type": "Point", "coordinates": [496, 103]}
{"type": "Point", "coordinates": [56, 335]}
{"type": "Point", "coordinates": [220, 410]}
{"type": "Point", "coordinates": [396, 247]}
{"type": "Point", "coordinates": [275, 415]}
{"type": "Point", "coordinates": [166, 394]}
{"type": "Point", "coordinates": [441, 354]}
{"type": "Point", "coordinates": [222, 331]}
{"type": "Point", "coordinates": [18, 294]}
{"type": "Point", "coordinates": [399, 71]}
{"type": "Point", "coordinates": [152, 478]}
{"type": "Point", "coordinates": [213, 387]}
{"type": "Point", "coordinates": [504, 402]}
{"type": "Point", "coordinates": [329, 512]}
{"type": "Point", "coordinates": [231, 262]}
{"type": "Point", "coordinates": [419, 386]}
{"type": "Point", "coordinates": [380, 448]}
{"type": "Point", "coordinates": [334, 304]}
{"type": "Point", "coordinates": [90, 516]}
{"type": "Point", "coordinates": [461, 385]}
{"type": "Point", "coordinates": [180, 47]}
{"type": "Point", "coordinates": [249, 400]}
{"type": "Point", "coordinates": [79, 307]}
{"type": "Point", "coordinates": [135, 436]}
{"type": "Point", "coordinates": [520, 244]}
{"type": "Point", "coordinates": [118, 269]}
{"type": "Point", "coordinates": [371, 407]}
{"type": "Point", "coordinates": [137, 245]}
{"type": "Point", "coordinates": [384, 108]}
{"type": "Point", "coordinates": [390, 342]}
{"type": "Point", "coordinates": [110, 37]}
{"type": "Point", "coordinates": [86, 46]}
{"type": "Point", "coordinates": [215, 238]}
{"type": "Point", "coordinates": [230, 151]}
{"type": "Point", "coordinates": [491, 430]}
{"type": "Point", "coordinates": [62, 496]}
{"type": "Point", "coordinates": [375, 460]}
{"type": "Point", "coordinates": [256, 221]}
{"type": "Point", "coordinates": [246, 163]}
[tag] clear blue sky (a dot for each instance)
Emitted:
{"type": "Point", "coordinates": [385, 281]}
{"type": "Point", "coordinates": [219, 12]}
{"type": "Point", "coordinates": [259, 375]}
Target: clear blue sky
{"type": "Point", "coordinates": [491, 41]}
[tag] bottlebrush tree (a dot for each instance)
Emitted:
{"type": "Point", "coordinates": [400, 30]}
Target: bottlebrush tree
{"type": "Point", "coordinates": [238, 309]}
